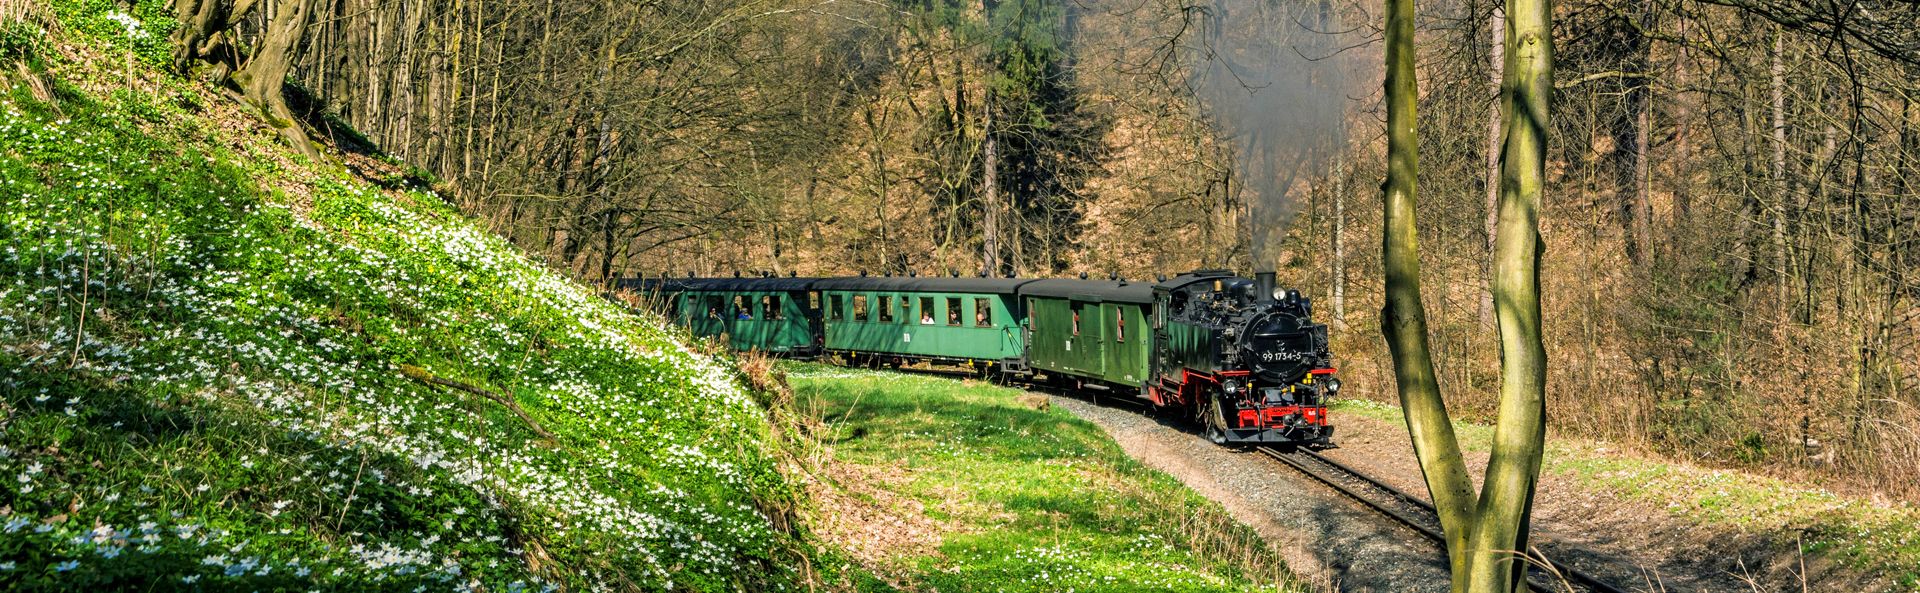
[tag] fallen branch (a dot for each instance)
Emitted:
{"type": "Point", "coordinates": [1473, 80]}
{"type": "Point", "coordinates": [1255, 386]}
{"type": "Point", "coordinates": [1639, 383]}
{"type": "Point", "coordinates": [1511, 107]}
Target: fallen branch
{"type": "Point", "coordinates": [423, 376]}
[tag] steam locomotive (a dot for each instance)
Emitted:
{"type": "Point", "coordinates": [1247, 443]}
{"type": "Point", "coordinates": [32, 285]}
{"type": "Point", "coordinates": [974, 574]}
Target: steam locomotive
{"type": "Point", "coordinates": [1241, 358]}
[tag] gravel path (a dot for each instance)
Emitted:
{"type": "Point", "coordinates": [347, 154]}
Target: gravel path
{"type": "Point", "coordinates": [1327, 540]}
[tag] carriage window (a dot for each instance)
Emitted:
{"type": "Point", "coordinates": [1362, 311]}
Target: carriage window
{"type": "Point", "coordinates": [1033, 314]}
{"type": "Point", "coordinates": [715, 306]}
{"type": "Point", "coordinates": [926, 310]}
{"type": "Point", "coordinates": [1119, 325]}
{"type": "Point", "coordinates": [770, 307]}
{"type": "Point", "coordinates": [953, 311]}
{"type": "Point", "coordinates": [673, 307]}
{"type": "Point", "coordinates": [834, 309]}
{"type": "Point", "coordinates": [982, 313]}
{"type": "Point", "coordinates": [906, 309]}
{"type": "Point", "coordinates": [1159, 316]}
{"type": "Point", "coordinates": [740, 308]}
{"type": "Point", "coordinates": [813, 300]}
{"type": "Point", "coordinates": [860, 308]}
{"type": "Point", "coordinates": [1076, 319]}
{"type": "Point", "coordinates": [886, 309]}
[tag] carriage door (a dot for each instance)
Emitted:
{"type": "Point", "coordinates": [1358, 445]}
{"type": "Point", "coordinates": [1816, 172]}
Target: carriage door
{"type": "Point", "coordinates": [1086, 347]}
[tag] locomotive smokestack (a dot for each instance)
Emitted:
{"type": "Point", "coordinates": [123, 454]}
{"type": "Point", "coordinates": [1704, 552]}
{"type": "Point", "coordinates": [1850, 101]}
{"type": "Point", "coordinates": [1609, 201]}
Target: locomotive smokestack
{"type": "Point", "coordinates": [1263, 285]}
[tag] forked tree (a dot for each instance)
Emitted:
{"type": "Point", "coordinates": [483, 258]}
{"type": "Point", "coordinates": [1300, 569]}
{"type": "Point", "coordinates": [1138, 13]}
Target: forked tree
{"type": "Point", "coordinates": [1485, 531]}
{"type": "Point", "coordinates": [210, 33]}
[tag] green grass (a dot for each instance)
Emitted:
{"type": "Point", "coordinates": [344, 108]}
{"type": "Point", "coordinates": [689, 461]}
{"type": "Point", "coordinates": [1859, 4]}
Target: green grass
{"type": "Point", "coordinates": [200, 355]}
{"type": "Point", "coordinates": [1877, 537]}
{"type": "Point", "coordinates": [1037, 500]}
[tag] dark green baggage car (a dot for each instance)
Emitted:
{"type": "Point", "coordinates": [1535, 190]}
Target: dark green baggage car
{"type": "Point", "coordinates": [973, 321]}
{"type": "Point", "coordinates": [1092, 330]}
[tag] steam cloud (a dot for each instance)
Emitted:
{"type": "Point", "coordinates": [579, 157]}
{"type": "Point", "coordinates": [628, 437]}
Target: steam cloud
{"type": "Point", "coordinates": [1267, 75]}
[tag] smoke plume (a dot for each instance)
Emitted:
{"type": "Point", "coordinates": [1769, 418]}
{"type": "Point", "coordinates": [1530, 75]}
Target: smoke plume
{"type": "Point", "coordinates": [1268, 74]}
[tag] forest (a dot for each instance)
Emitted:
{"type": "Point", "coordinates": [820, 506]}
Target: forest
{"type": "Point", "coordinates": [1732, 245]}
{"type": "Point", "coordinates": [358, 285]}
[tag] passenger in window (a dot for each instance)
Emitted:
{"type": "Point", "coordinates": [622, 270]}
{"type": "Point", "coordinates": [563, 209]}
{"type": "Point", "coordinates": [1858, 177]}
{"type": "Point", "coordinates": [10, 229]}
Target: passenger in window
{"type": "Point", "coordinates": [744, 314]}
{"type": "Point", "coordinates": [713, 312]}
{"type": "Point", "coordinates": [980, 318]}
{"type": "Point", "coordinates": [926, 318]}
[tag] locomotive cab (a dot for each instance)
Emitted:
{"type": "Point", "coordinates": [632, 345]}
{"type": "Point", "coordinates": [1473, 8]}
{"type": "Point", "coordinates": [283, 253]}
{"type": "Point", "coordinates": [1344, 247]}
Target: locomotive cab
{"type": "Point", "coordinates": [1245, 361]}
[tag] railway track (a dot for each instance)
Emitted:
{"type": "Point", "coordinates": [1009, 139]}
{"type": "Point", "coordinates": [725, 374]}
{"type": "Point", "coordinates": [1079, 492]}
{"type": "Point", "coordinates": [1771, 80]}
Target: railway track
{"type": "Point", "coordinates": [1416, 514]}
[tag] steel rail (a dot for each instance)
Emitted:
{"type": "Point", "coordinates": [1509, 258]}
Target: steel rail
{"type": "Point", "coordinates": [1588, 581]}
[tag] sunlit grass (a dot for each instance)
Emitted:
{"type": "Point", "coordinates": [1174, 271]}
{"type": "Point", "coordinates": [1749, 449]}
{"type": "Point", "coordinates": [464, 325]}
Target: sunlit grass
{"type": "Point", "coordinates": [1039, 500]}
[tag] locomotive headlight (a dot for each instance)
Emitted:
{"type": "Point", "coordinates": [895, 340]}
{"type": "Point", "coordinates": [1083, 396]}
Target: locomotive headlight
{"type": "Point", "coordinates": [1230, 387]}
{"type": "Point", "coordinates": [1333, 386]}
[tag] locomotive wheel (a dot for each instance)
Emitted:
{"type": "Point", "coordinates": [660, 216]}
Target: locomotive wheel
{"type": "Point", "coordinates": [1216, 422]}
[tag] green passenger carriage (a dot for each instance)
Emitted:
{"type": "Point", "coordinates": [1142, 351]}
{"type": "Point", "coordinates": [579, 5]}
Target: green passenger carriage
{"type": "Point", "coordinates": [973, 321]}
{"type": "Point", "coordinates": [777, 315]}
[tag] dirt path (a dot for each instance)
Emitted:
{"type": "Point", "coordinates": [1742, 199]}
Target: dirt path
{"type": "Point", "coordinates": [1344, 547]}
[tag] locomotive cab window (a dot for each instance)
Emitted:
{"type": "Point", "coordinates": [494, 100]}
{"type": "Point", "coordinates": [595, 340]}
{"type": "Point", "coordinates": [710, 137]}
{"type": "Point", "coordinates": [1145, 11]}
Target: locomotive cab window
{"type": "Point", "coordinates": [953, 311]}
{"type": "Point", "coordinates": [860, 308]}
{"type": "Point", "coordinates": [982, 313]}
{"type": "Point", "coordinates": [886, 309]}
{"type": "Point", "coordinates": [836, 309]}
{"type": "Point", "coordinates": [926, 310]}
{"type": "Point", "coordinates": [770, 307]}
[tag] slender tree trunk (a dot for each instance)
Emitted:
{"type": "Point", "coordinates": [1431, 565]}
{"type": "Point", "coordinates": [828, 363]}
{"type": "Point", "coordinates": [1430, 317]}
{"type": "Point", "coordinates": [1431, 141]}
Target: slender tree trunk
{"type": "Point", "coordinates": [1519, 438]}
{"type": "Point", "coordinates": [1404, 320]}
{"type": "Point", "coordinates": [990, 194]}
{"type": "Point", "coordinates": [1779, 172]}
{"type": "Point", "coordinates": [1339, 245]}
{"type": "Point", "coordinates": [1496, 63]}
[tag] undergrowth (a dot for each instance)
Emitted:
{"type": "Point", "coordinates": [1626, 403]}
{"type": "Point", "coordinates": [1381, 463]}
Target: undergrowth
{"type": "Point", "coordinates": [203, 386]}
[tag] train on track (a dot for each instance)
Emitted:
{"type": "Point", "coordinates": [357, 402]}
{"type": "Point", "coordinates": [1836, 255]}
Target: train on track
{"type": "Point", "coordinates": [1239, 357]}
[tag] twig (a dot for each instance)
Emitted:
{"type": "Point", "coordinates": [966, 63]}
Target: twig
{"type": "Point", "coordinates": [421, 375]}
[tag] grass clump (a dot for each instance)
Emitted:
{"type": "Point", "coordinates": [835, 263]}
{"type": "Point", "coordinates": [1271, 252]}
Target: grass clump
{"type": "Point", "coordinates": [201, 380]}
{"type": "Point", "coordinates": [1882, 537]}
{"type": "Point", "coordinates": [1024, 499]}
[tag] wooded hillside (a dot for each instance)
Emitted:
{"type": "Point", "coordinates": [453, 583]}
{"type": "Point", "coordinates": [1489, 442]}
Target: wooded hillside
{"type": "Point", "coordinates": [1732, 249]}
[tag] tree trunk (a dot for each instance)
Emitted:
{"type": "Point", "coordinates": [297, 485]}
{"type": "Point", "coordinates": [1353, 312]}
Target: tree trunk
{"type": "Point", "coordinates": [1519, 438]}
{"type": "Point", "coordinates": [1403, 320]}
{"type": "Point", "coordinates": [989, 195]}
{"type": "Point", "coordinates": [1496, 62]}
{"type": "Point", "coordinates": [1339, 245]}
{"type": "Point", "coordinates": [1779, 172]}
{"type": "Point", "coordinates": [263, 79]}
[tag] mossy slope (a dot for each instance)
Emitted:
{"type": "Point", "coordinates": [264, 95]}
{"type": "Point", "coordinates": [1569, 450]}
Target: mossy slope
{"type": "Point", "coordinates": [201, 345]}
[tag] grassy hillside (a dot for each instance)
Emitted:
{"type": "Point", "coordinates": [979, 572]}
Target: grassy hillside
{"type": "Point", "coordinates": [942, 485]}
{"type": "Point", "coordinates": [230, 368]}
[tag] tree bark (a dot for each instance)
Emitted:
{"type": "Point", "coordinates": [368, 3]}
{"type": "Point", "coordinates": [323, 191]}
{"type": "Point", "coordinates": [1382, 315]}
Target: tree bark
{"type": "Point", "coordinates": [1403, 320]}
{"type": "Point", "coordinates": [1496, 63]}
{"type": "Point", "coordinates": [1339, 245]}
{"type": "Point", "coordinates": [1519, 438]}
{"type": "Point", "coordinates": [989, 194]}
{"type": "Point", "coordinates": [263, 79]}
{"type": "Point", "coordinates": [1778, 174]}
